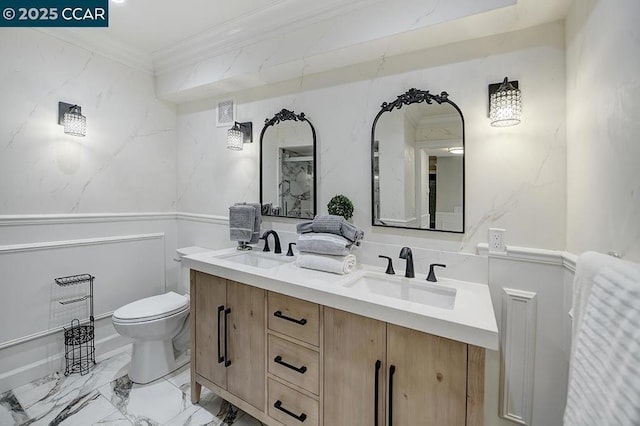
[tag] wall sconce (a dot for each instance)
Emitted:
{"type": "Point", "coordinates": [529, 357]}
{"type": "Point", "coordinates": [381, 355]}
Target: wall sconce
{"type": "Point", "coordinates": [239, 134]}
{"type": "Point", "coordinates": [70, 116]}
{"type": "Point", "coordinates": [457, 150]}
{"type": "Point", "coordinates": [504, 103]}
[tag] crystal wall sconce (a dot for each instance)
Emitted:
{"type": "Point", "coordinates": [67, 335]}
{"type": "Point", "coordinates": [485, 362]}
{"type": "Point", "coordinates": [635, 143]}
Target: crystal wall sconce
{"type": "Point", "coordinates": [70, 116]}
{"type": "Point", "coordinates": [239, 134]}
{"type": "Point", "coordinates": [505, 104]}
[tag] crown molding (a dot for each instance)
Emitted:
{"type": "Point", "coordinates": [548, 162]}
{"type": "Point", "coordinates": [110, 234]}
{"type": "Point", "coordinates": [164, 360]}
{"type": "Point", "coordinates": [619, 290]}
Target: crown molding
{"type": "Point", "coordinates": [102, 45]}
{"type": "Point", "coordinates": [247, 30]}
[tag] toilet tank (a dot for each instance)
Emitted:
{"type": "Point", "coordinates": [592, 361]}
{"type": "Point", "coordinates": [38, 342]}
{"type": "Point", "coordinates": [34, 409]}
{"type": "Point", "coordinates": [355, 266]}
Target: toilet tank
{"type": "Point", "coordinates": [184, 272]}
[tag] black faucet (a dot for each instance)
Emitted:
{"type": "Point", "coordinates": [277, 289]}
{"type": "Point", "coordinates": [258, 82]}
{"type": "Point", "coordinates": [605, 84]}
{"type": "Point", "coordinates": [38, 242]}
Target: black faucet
{"type": "Point", "coordinates": [405, 253]}
{"type": "Point", "coordinates": [389, 270]}
{"type": "Point", "coordinates": [265, 237]}
{"type": "Point", "coordinates": [432, 275]}
{"type": "Point", "coordinates": [290, 251]}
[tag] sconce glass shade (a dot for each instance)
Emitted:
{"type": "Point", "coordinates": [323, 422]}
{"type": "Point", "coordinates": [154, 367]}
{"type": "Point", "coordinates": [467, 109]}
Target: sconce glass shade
{"type": "Point", "coordinates": [505, 105]}
{"type": "Point", "coordinates": [458, 150]}
{"type": "Point", "coordinates": [235, 138]}
{"type": "Point", "coordinates": [74, 122]}
{"type": "Point", "coordinates": [239, 134]}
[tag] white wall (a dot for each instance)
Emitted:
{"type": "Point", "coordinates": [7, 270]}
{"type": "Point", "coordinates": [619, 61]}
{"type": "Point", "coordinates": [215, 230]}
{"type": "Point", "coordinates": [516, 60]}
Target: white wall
{"type": "Point", "coordinates": [515, 176]}
{"type": "Point", "coordinates": [126, 163]}
{"type": "Point", "coordinates": [103, 204]}
{"type": "Point", "coordinates": [603, 106]}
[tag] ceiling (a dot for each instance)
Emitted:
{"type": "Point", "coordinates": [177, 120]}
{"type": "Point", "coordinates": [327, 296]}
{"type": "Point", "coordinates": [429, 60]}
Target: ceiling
{"type": "Point", "coordinates": [152, 25]}
{"type": "Point", "coordinates": [166, 38]}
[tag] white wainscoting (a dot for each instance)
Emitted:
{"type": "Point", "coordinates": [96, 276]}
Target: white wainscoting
{"type": "Point", "coordinates": [204, 231]}
{"type": "Point", "coordinates": [129, 254]}
{"type": "Point", "coordinates": [126, 268]}
{"type": "Point", "coordinates": [517, 345]}
{"type": "Point", "coordinates": [531, 293]}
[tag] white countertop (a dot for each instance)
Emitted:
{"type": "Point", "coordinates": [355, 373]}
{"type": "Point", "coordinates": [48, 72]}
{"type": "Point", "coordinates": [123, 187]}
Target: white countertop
{"type": "Point", "coordinates": [472, 319]}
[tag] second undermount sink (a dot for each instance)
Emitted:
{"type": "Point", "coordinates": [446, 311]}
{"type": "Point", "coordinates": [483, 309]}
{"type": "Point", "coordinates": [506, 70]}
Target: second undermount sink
{"type": "Point", "coordinates": [257, 259]}
{"type": "Point", "coordinates": [411, 290]}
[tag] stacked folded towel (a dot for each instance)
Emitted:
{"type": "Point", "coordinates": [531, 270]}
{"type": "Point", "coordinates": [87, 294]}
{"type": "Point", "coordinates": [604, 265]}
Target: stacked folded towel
{"type": "Point", "coordinates": [244, 222]}
{"type": "Point", "coordinates": [325, 244]}
{"type": "Point", "coordinates": [334, 225]}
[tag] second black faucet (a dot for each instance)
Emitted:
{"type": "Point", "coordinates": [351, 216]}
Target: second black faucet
{"type": "Point", "coordinates": [405, 253]}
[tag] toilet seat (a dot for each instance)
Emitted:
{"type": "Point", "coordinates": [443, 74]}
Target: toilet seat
{"type": "Point", "coordinates": [152, 308]}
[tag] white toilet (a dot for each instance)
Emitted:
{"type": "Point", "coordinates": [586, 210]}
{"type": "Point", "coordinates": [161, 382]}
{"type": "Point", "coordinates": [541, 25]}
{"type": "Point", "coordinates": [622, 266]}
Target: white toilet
{"type": "Point", "coordinates": [153, 323]}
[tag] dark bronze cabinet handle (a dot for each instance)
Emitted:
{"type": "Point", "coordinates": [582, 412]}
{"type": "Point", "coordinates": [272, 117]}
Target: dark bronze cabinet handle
{"type": "Point", "coordinates": [300, 370]}
{"type": "Point", "coordinates": [392, 371]}
{"type": "Point", "coordinates": [227, 361]}
{"type": "Point", "coordinates": [376, 392]}
{"type": "Point", "coordinates": [301, 418]}
{"type": "Point", "coordinates": [280, 315]}
{"type": "Point", "coordinates": [220, 357]}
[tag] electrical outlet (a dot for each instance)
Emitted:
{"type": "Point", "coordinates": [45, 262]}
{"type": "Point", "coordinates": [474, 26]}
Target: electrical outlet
{"type": "Point", "coordinates": [497, 242]}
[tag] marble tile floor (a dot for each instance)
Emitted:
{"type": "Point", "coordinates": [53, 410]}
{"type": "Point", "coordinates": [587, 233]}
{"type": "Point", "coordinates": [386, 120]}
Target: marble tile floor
{"type": "Point", "coordinates": [105, 396]}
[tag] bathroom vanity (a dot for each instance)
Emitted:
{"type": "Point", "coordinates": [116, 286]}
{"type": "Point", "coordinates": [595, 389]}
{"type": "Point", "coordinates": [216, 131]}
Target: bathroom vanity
{"type": "Point", "coordinates": [301, 347]}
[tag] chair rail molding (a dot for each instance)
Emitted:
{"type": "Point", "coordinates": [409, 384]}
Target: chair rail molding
{"type": "Point", "coordinates": [533, 255]}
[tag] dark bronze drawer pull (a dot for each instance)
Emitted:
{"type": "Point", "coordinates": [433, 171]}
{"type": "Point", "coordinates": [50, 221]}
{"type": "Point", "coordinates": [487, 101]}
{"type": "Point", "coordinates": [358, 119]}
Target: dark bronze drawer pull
{"type": "Point", "coordinates": [392, 371]}
{"type": "Point", "coordinates": [227, 361]}
{"type": "Point", "coordinates": [284, 317]}
{"type": "Point", "coordinates": [220, 357]}
{"type": "Point", "coordinates": [300, 370]}
{"type": "Point", "coordinates": [376, 391]}
{"type": "Point", "coordinates": [301, 418]}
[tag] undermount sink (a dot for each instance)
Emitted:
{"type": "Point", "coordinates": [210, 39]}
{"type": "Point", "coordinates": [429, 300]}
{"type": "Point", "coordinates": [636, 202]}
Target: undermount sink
{"type": "Point", "coordinates": [408, 289]}
{"type": "Point", "coordinates": [257, 259]}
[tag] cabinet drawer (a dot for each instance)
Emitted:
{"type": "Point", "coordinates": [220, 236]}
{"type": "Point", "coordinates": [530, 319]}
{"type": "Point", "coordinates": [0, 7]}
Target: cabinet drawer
{"type": "Point", "coordinates": [295, 318]}
{"type": "Point", "coordinates": [294, 363]}
{"type": "Point", "coordinates": [295, 409]}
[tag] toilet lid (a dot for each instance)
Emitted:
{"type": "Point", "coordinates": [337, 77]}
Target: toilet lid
{"type": "Point", "coordinates": [152, 307]}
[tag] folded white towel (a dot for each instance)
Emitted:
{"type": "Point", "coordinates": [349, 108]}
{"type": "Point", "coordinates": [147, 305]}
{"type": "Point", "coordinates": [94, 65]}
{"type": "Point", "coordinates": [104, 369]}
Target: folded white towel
{"type": "Point", "coordinates": [604, 370]}
{"type": "Point", "coordinates": [321, 262]}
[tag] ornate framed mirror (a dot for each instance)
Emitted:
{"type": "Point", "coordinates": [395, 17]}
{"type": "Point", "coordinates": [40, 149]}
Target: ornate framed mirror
{"type": "Point", "coordinates": [288, 166]}
{"type": "Point", "coordinates": [417, 163]}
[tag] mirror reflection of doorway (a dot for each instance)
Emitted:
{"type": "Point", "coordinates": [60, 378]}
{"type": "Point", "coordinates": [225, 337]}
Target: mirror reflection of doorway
{"type": "Point", "coordinates": [432, 200]}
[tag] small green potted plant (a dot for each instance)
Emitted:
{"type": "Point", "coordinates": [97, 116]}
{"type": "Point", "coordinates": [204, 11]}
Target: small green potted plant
{"type": "Point", "coordinates": [340, 205]}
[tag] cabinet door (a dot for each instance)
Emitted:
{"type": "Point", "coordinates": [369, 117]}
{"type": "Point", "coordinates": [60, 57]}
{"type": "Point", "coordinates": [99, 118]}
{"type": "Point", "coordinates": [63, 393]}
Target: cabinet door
{"type": "Point", "coordinates": [210, 294]}
{"type": "Point", "coordinates": [354, 351]}
{"type": "Point", "coordinates": [429, 383]}
{"type": "Point", "coordinates": [246, 373]}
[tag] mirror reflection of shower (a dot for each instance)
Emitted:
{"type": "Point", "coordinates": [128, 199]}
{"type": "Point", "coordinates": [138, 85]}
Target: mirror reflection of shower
{"type": "Point", "coordinates": [295, 181]}
{"type": "Point", "coordinates": [376, 180]}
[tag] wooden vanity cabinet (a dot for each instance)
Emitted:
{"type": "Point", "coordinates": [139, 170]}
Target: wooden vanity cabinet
{"type": "Point", "coordinates": [290, 362]}
{"type": "Point", "coordinates": [227, 338]}
{"type": "Point", "coordinates": [377, 373]}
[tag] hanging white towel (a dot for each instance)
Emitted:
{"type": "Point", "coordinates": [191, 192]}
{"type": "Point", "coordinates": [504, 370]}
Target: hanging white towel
{"type": "Point", "coordinates": [604, 371]}
{"type": "Point", "coordinates": [587, 267]}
